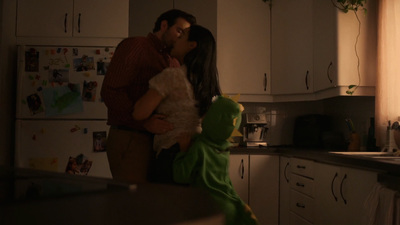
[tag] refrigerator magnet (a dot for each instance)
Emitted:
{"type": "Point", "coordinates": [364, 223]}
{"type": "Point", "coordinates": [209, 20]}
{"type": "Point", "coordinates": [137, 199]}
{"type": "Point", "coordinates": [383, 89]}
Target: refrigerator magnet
{"type": "Point", "coordinates": [32, 60]}
{"type": "Point", "coordinates": [35, 104]}
{"type": "Point", "coordinates": [99, 141]}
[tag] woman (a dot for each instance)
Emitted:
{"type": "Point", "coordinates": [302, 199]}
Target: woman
{"type": "Point", "coordinates": [183, 94]}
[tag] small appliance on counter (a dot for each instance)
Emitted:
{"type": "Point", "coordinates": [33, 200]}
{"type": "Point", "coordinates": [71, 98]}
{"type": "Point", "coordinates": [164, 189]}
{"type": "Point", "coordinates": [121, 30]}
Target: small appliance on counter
{"type": "Point", "coordinates": [255, 129]}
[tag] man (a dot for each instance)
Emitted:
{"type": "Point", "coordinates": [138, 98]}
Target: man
{"type": "Point", "coordinates": [135, 61]}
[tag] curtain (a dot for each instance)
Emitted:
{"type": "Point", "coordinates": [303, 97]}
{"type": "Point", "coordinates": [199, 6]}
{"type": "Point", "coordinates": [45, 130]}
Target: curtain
{"type": "Point", "coordinates": [387, 96]}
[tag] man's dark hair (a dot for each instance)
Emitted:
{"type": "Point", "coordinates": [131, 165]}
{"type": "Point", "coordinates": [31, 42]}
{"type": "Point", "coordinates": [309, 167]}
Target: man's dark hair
{"type": "Point", "coordinates": [170, 16]}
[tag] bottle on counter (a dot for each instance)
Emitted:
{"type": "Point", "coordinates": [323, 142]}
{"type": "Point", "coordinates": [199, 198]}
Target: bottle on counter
{"type": "Point", "coordinates": [371, 140]}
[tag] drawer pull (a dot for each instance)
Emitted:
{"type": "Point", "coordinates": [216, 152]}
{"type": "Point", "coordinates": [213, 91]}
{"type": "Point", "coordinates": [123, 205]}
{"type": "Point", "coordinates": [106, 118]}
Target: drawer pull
{"type": "Point", "coordinates": [301, 167]}
{"type": "Point", "coordinates": [341, 189]}
{"type": "Point", "coordinates": [333, 181]}
{"type": "Point", "coordinates": [299, 184]}
{"type": "Point", "coordinates": [300, 205]}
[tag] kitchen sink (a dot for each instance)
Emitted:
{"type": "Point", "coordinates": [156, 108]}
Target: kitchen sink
{"type": "Point", "coordinates": [389, 157]}
{"type": "Point", "coordinates": [367, 154]}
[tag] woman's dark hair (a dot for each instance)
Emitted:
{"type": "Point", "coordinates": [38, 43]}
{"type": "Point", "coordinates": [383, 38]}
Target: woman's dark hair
{"type": "Point", "coordinates": [201, 63]}
{"type": "Point", "coordinates": [170, 16]}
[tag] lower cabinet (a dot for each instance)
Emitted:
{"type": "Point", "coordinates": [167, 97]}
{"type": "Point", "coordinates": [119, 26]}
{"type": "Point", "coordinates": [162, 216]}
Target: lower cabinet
{"type": "Point", "coordinates": [302, 202]}
{"type": "Point", "coordinates": [284, 191]}
{"type": "Point", "coordinates": [322, 194]}
{"type": "Point", "coordinates": [239, 174]}
{"type": "Point", "coordinates": [340, 194]}
{"type": "Point", "coordinates": [256, 180]}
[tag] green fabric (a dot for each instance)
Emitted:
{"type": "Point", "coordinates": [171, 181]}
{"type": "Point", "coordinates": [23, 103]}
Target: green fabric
{"type": "Point", "coordinates": [206, 163]}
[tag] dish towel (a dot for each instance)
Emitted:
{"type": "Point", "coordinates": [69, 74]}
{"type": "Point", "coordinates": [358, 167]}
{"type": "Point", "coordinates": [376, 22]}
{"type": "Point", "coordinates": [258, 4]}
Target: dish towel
{"type": "Point", "coordinates": [383, 206]}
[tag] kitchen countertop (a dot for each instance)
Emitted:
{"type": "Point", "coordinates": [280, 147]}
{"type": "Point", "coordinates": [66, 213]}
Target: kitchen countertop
{"type": "Point", "coordinates": [325, 156]}
{"type": "Point", "coordinates": [38, 197]}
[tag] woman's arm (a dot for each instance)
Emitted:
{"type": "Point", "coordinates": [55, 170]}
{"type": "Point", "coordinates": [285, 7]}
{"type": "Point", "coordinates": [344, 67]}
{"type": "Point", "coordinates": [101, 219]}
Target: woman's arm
{"type": "Point", "coordinates": [146, 105]}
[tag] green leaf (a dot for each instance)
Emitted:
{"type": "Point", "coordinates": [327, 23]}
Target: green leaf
{"type": "Point", "coordinates": [352, 86]}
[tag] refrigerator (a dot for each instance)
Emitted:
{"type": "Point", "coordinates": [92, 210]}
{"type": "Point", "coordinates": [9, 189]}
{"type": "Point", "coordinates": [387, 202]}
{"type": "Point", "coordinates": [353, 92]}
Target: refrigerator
{"type": "Point", "coordinates": [60, 116]}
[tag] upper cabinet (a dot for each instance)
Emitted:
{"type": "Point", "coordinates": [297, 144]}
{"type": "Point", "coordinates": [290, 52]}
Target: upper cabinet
{"type": "Point", "coordinates": [286, 50]}
{"type": "Point", "coordinates": [77, 18]}
{"type": "Point", "coordinates": [243, 45]}
{"type": "Point", "coordinates": [292, 47]}
{"type": "Point", "coordinates": [241, 29]}
{"type": "Point", "coordinates": [205, 12]}
{"type": "Point", "coordinates": [343, 51]}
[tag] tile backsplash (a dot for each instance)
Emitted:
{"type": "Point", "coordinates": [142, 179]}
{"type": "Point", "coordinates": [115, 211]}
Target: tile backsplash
{"type": "Point", "coordinates": [282, 116]}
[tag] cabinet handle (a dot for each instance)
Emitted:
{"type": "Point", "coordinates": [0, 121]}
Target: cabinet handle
{"type": "Point", "coordinates": [79, 23]}
{"type": "Point", "coordinates": [300, 205]}
{"type": "Point", "coordinates": [265, 82]}
{"type": "Point", "coordinates": [307, 79]}
{"type": "Point", "coordinates": [284, 172]}
{"type": "Point", "coordinates": [328, 72]}
{"type": "Point", "coordinates": [341, 189]}
{"type": "Point", "coordinates": [333, 181]}
{"type": "Point", "coordinates": [301, 167]}
{"type": "Point", "coordinates": [299, 184]}
{"type": "Point", "coordinates": [65, 22]}
{"type": "Point", "coordinates": [242, 169]}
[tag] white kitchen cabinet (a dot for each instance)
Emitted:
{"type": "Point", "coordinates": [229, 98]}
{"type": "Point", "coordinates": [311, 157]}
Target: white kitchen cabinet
{"type": "Point", "coordinates": [302, 186]}
{"type": "Point", "coordinates": [243, 46]}
{"type": "Point", "coordinates": [205, 12]}
{"type": "Point", "coordinates": [292, 47]}
{"type": "Point", "coordinates": [239, 174]}
{"type": "Point", "coordinates": [335, 59]}
{"type": "Point", "coordinates": [340, 194]}
{"type": "Point", "coordinates": [77, 18]}
{"type": "Point", "coordinates": [264, 188]}
{"type": "Point", "coordinates": [256, 180]}
{"type": "Point", "coordinates": [284, 190]}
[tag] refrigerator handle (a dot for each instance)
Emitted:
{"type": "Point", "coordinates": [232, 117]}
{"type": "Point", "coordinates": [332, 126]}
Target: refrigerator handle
{"type": "Point", "coordinates": [65, 22]}
{"type": "Point", "coordinates": [79, 23]}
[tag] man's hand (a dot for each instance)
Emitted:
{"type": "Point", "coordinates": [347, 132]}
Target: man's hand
{"type": "Point", "coordinates": [157, 125]}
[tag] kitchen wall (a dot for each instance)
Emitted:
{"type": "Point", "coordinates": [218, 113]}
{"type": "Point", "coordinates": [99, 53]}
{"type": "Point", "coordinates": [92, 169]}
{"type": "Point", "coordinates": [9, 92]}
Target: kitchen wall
{"type": "Point", "coordinates": [282, 116]}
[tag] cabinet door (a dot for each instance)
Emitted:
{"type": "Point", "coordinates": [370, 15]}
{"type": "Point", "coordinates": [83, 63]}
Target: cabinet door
{"type": "Point", "coordinates": [244, 46]}
{"type": "Point", "coordinates": [284, 190]}
{"type": "Point", "coordinates": [292, 47]}
{"type": "Point", "coordinates": [101, 18]}
{"type": "Point", "coordinates": [264, 188]}
{"type": "Point", "coordinates": [342, 191]}
{"type": "Point", "coordinates": [327, 194]}
{"type": "Point", "coordinates": [44, 18]}
{"type": "Point", "coordinates": [144, 13]}
{"type": "Point", "coordinates": [325, 49]}
{"type": "Point", "coordinates": [354, 188]}
{"type": "Point", "coordinates": [205, 12]}
{"type": "Point", "coordinates": [239, 174]}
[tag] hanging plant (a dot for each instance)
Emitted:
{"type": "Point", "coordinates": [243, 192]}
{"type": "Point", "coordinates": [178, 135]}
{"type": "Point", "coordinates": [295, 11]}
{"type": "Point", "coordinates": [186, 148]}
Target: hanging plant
{"type": "Point", "coordinates": [346, 6]}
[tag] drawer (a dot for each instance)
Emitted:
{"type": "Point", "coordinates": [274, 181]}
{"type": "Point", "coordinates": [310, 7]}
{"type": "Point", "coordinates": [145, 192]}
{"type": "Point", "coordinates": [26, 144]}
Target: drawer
{"type": "Point", "coordinates": [302, 205]}
{"type": "Point", "coordinates": [302, 184]}
{"type": "Point", "coordinates": [297, 220]}
{"type": "Point", "coordinates": [302, 167]}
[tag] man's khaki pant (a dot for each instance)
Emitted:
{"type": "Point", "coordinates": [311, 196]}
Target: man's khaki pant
{"type": "Point", "coordinates": [129, 154]}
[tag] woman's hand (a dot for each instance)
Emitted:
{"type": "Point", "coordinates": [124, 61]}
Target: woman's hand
{"type": "Point", "coordinates": [157, 125]}
{"type": "Point", "coordinates": [184, 141]}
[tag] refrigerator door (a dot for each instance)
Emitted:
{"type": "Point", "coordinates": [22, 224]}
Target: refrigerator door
{"type": "Point", "coordinates": [61, 82]}
{"type": "Point", "coordinates": [48, 145]}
